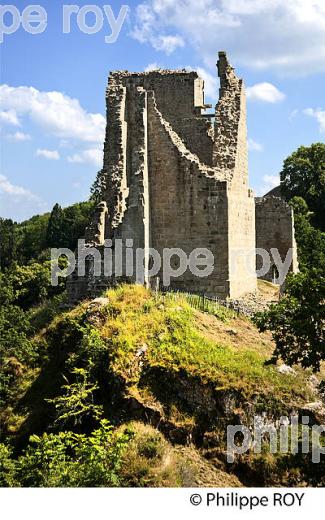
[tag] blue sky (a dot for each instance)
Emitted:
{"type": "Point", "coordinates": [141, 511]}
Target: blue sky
{"type": "Point", "coordinates": [52, 93]}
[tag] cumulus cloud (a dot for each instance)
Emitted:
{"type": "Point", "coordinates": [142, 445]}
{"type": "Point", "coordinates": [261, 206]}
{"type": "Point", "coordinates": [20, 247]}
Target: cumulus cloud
{"type": "Point", "coordinates": [254, 146]}
{"type": "Point", "coordinates": [319, 115]}
{"type": "Point", "coordinates": [92, 156]}
{"type": "Point", "coordinates": [7, 188]}
{"type": "Point", "coordinates": [51, 155]}
{"type": "Point", "coordinates": [58, 114]}
{"type": "Point", "coordinates": [18, 136]}
{"type": "Point", "coordinates": [287, 36]}
{"type": "Point", "coordinates": [265, 92]}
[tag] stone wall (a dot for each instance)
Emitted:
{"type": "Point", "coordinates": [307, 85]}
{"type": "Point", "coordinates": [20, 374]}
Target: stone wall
{"type": "Point", "coordinates": [275, 229]}
{"type": "Point", "coordinates": [230, 154]}
{"type": "Point", "coordinates": [188, 205]}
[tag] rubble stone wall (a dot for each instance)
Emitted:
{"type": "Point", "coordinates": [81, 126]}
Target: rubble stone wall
{"type": "Point", "coordinates": [275, 229]}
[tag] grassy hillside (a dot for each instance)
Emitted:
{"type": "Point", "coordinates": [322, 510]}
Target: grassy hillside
{"type": "Point", "coordinates": [173, 378]}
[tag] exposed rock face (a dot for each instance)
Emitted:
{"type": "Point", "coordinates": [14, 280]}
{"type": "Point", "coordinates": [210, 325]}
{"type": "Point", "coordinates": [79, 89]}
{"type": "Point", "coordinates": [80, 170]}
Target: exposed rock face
{"type": "Point", "coordinates": [177, 180]}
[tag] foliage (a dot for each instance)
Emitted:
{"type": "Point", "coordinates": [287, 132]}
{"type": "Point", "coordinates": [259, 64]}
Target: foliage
{"type": "Point", "coordinates": [21, 289]}
{"type": "Point", "coordinates": [7, 467]}
{"type": "Point", "coordinates": [8, 242]}
{"type": "Point", "coordinates": [46, 311]}
{"type": "Point", "coordinates": [78, 401]}
{"type": "Point", "coordinates": [74, 222]}
{"type": "Point", "coordinates": [55, 226]}
{"type": "Point", "coordinates": [303, 175]}
{"type": "Point", "coordinates": [68, 459]}
{"type": "Point", "coordinates": [99, 187]}
{"type": "Point", "coordinates": [297, 322]}
{"type": "Point", "coordinates": [32, 239]}
{"type": "Point", "coordinates": [15, 346]}
{"type": "Point", "coordinates": [310, 241]}
{"type": "Point", "coordinates": [31, 284]}
{"type": "Point", "coordinates": [14, 323]}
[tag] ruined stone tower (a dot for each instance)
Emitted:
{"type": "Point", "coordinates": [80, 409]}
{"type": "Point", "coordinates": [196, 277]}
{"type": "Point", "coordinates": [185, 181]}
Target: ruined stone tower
{"type": "Point", "coordinates": [177, 178]}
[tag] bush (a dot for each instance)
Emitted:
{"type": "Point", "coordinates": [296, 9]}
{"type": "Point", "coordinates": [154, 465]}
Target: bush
{"type": "Point", "coordinates": [297, 321]}
{"type": "Point", "coordinates": [67, 459]}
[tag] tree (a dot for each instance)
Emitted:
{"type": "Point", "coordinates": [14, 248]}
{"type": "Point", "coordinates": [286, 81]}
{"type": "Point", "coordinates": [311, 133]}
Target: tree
{"type": "Point", "coordinates": [15, 345]}
{"type": "Point", "coordinates": [75, 220]}
{"type": "Point", "coordinates": [31, 238]}
{"type": "Point", "coordinates": [310, 241]}
{"type": "Point", "coordinates": [303, 175]}
{"type": "Point", "coordinates": [297, 322]}
{"type": "Point", "coordinates": [32, 284]}
{"type": "Point", "coordinates": [99, 187]}
{"type": "Point", "coordinates": [8, 242]}
{"type": "Point", "coordinates": [66, 226]}
{"type": "Point", "coordinates": [55, 227]}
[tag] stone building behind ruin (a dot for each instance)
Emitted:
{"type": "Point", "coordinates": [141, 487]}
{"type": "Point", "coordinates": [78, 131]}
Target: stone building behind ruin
{"type": "Point", "coordinates": [177, 177]}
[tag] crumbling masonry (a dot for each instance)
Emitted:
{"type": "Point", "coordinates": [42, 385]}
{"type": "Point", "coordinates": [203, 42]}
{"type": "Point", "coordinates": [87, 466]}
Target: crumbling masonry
{"type": "Point", "coordinates": [178, 178]}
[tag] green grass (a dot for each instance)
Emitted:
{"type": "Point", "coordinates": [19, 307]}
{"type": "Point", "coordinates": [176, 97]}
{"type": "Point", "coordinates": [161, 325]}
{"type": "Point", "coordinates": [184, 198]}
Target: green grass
{"type": "Point", "coordinates": [202, 304]}
{"type": "Point", "coordinates": [165, 327]}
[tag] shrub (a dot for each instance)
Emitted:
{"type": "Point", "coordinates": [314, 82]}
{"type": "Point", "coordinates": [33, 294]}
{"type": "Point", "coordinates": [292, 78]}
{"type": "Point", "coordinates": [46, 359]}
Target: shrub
{"type": "Point", "coordinates": [67, 459]}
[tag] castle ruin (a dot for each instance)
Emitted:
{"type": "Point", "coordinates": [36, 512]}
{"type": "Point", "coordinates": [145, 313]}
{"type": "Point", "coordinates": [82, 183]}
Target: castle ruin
{"type": "Point", "coordinates": [177, 177]}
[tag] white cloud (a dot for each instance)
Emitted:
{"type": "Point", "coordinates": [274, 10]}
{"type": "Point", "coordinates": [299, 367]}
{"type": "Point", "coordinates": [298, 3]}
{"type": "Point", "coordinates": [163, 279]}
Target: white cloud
{"type": "Point", "coordinates": [6, 187]}
{"type": "Point", "coordinates": [9, 117]}
{"type": "Point", "coordinates": [265, 92]}
{"type": "Point", "coordinates": [19, 136]}
{"type": "Point", "coordinates": [319, 115]}
{"type": "Point", "coordinates": [17, 202]}
{"type": "Point", "coordinates": [254, 146]}
{"type": "Point", "coordinates": [168, 44]}
{"type": "Point", "coordinates": [145, 31]}
{"type": "Point", "coordinates": [55, 112]}
{"type": "Point", "coordinates": [51, 155]}
{"type": "Point", "coordinates": [270, 182]}
{"type": "Point", "coordinates": [288, 36]}
{"type": "Point", "coordinates": [92, 156]}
